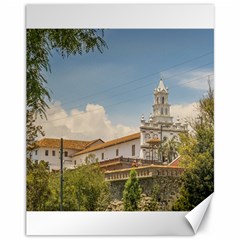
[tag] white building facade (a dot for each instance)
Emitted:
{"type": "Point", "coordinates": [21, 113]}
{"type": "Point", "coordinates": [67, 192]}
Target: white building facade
{"type": "Point", "coordinates": [52, 156]}
{"type": "Point", "coordinates": [160, 126]}
{"type": "Point", "coordinates": [142, 145]}
{"type": "Point", "coordinates": [48, 150]}
{"type": "Point", "coordinates": [127, 147]}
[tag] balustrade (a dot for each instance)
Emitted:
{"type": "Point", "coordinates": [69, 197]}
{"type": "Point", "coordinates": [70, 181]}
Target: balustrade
{"type": "Point", "coordinates": [143, 173]}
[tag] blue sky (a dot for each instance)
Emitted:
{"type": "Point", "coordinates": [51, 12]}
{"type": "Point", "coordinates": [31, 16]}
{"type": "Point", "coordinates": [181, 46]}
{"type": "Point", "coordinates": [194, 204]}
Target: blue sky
{"type": "Point", "coordinates": [123, 77]}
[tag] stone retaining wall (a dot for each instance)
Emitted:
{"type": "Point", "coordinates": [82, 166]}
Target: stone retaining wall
{"type": "Point", "coordinates": [166, 180]}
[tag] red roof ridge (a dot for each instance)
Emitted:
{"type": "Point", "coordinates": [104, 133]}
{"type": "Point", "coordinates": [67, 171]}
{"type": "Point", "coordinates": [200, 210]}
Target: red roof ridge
{"type": "Point", "coordinates": [67, 143]}
{"type": "Point", "coordinates": [93, 141]}
{"type": "Point", "coordinates": [110, 143]}
{"type": "Point", "coordinates": [174, 162]}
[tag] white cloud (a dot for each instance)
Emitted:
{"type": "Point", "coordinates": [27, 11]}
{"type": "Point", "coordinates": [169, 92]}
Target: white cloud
{"type": "Point", "coordinates": [198, 79]}
{"type": "Point", "coordinates": [184, 111]}
{"type": "Point", "coordinates": [89, 124]}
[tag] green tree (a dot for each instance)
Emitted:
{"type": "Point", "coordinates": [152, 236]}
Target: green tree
{"type": "Point", "coordinates": [85, 189]}
{"type": "Point", "coordinates": [40, 45]}
{"type": "Point", "coordinates": [132, 192]}
{"type": "Point", "coordinates": [197, 153]}
{"type": "Point", "coordinates": [38, 190]}
{"type": "Point", "coordinates": [32, 131]}
{"type": "Point", "coordinates": [169, 149]}
{"type": "Point", "coordinates": [151, 203]}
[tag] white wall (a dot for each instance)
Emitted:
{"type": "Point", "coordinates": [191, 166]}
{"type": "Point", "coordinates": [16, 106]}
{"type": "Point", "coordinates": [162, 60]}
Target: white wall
{"type": "Point", "coordinates": [168, 134]}
{"type": "Point", "coordinates": [54, 161]}
{"type": "Point", "coordinates": [125, 150]}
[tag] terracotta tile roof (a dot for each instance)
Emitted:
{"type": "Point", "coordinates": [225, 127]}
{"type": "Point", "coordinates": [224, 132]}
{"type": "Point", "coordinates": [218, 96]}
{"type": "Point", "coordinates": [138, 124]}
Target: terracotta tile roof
{"type": "Point", "coordinates": [110, 143]}
{"type": "Point", "coordinates": [175, 162]}
{"type": "Point", "coordinates": [94, 141]}
{"type": "Point", "coordinates": [68, 144]}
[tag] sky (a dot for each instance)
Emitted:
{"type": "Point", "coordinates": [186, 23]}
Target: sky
{"type": "Point", "coordinates": [103, 95]}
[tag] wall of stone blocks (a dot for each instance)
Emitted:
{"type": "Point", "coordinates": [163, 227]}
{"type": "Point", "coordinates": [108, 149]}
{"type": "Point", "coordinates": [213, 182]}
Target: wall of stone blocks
{"type": "Point", "coordinates": [167, 187]}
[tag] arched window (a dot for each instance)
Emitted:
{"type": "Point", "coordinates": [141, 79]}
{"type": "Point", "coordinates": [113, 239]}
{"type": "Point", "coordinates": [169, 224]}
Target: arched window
{"type": "Point", "coordinates": [147, 136]}
{"type": "Point", "coordinates": [161, 111]}
{"type": "Point", "coordinates": [166, 111]}
{"type": "Point", "coordinates": [157, 99]}
{"type": "Point", "coordinates": [162, 100]}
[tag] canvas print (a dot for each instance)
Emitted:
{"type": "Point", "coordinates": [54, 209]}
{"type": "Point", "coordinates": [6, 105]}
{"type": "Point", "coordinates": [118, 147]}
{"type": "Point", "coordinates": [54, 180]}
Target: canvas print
{"type": "Point", "coordinates": [119, 119]}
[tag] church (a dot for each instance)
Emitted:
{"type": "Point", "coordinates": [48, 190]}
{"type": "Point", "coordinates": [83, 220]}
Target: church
{"type": "Point", "coordinates": [144, 146]}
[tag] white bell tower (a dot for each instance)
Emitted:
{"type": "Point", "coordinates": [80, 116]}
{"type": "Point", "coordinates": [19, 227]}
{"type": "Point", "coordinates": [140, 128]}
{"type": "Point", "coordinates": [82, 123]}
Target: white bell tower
{"type": "Point", "coordinates": [161, 107]}
{"type": "Point", "coordinates": [159, 126]}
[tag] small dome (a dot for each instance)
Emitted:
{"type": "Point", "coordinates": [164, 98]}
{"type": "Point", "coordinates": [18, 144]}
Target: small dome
{"type": "Point", "coordinates": [150, 117]}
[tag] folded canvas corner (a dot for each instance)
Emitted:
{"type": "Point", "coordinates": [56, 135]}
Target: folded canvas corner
{"type": "Point", "coordinates": [195, 216]}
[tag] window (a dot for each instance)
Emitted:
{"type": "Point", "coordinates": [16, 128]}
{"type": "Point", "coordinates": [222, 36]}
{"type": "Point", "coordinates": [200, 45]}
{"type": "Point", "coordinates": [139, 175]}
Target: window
{"type": "Point", "coordinates": [117, 152]}
{"type": "Point", "coordinates": [166, 111]}
{"type": "Point", "coordinates": [65, 154]}
{"type": "Point", "coordinates": [133, 150]}
{"type": "Point", "coordinates": [162, 100]}
{"type": "Point", "coordinates": [147, 136]}
{"type": "Point", "coordinates": [161, 111]}
{"type": "Point", "coordinates": [75, 162]}
{"type": "Point", "coordinates": [53, 152]}
{"type": "Point", "coordinates": [46, 152]}
{"type": "Point", "coordinates": [36, 152]}
{"type": "Point", "coordinates": [157, 100]}
{"type": "Point", "coordinates": [102, 156]}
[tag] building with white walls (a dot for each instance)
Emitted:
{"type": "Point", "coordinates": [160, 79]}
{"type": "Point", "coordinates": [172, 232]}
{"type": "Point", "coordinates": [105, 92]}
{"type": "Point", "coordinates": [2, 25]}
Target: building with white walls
{"type": "Point", "coordinates": [160, 126]}
{"type": "Point", "coordinates": [127, 147]}
{"type": "Point", "coordinates": [143, 145]}
{"type": "Point", "coordinates": [48, 149]}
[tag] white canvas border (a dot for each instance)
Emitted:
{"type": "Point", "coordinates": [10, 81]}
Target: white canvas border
{"type": "Point", "coordinates": [120, 16]}
{"type": "Point", "coordinates": [108, 223]}
{"type": "Point", "coordinates": [196, 16]}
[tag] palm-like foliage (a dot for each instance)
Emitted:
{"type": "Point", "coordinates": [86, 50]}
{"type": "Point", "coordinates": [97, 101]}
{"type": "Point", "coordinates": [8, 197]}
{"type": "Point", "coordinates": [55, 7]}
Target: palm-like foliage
{"type": "Point", "coordinates": [169, 149]}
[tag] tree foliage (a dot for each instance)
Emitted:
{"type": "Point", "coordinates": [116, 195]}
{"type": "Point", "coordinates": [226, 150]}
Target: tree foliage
{"type": "Point", "coordinates": [33, 131]}
{"type": "Point", "coordinates": [132, 192]}
{"type": "Point", "coordinates": [40, 45]}
{"type": "Point", "coordinates": [89, 187]}
{"type": "Point", "coordinates": [84, 189]}
{"type": "Point", "coordinates": [38, 189]}
{"type": "Point", "coordinates": [197, 153]}
{"type": "Point", "coordinates": [169, 149]}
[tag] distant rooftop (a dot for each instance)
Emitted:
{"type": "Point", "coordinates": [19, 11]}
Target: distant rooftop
{"type": "Point", "coordinates": [68, 144]}
{"type": "Point", "coordinates": [110, 143]}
